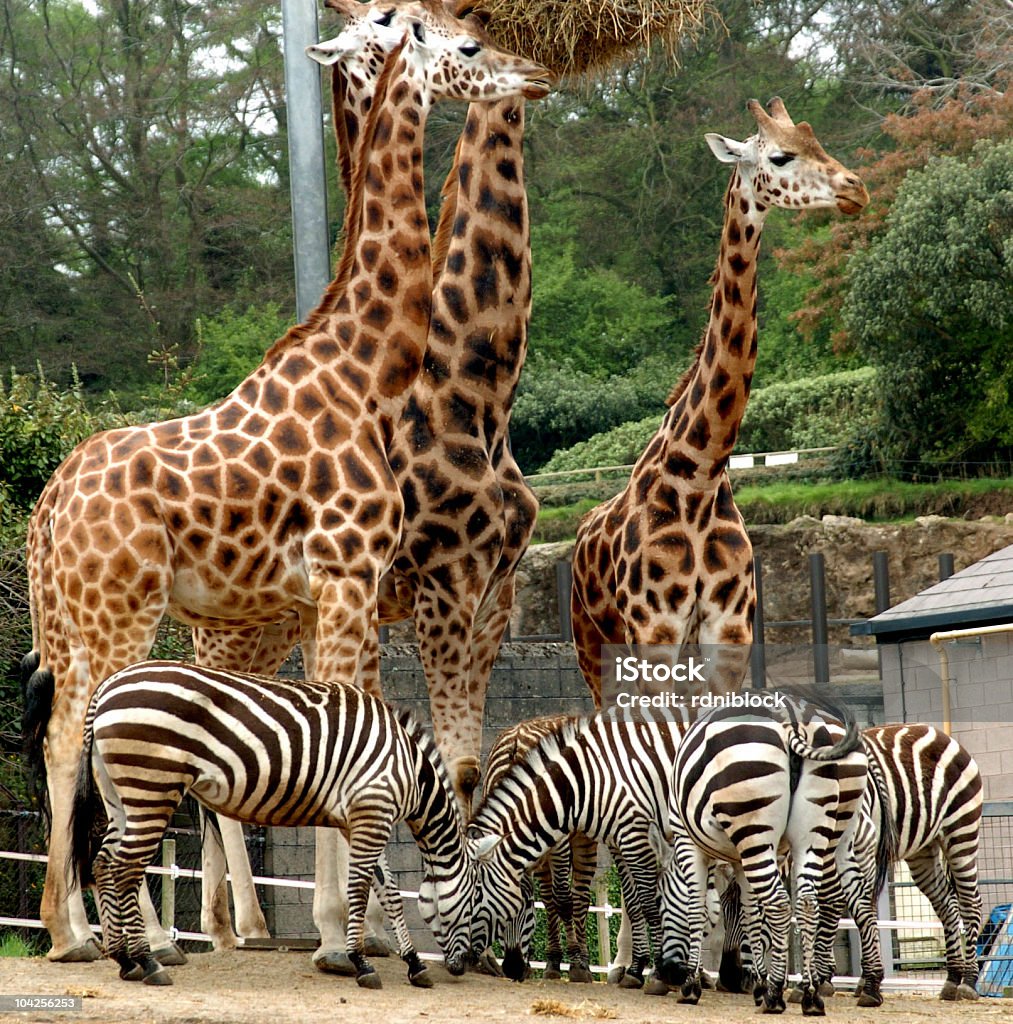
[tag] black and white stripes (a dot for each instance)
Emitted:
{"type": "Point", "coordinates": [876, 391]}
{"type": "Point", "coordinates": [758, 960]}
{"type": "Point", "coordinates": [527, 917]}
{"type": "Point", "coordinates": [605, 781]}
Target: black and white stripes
{"type": "Point", "coordinates": [271, 753]}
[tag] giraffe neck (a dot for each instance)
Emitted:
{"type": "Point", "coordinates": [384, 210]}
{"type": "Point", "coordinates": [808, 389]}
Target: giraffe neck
{"type": "Point", "coordinates": [482, 262]}
{"type": "Point", "coordinates": [381, 317]}
{"type": "Point", "coordinates": [707, 405]}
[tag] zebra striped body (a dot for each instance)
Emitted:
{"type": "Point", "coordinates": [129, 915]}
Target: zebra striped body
{"type": "Point", "coordinates": [606, 777]}
{"type": "Point", "coordinates": [565, 904]}
{"type": "Point", "coordinates": [748, 789]}
{"type": "Point", "coordinates": [271, 753]}
{"type": "Point", "coordinates": [930, 794]}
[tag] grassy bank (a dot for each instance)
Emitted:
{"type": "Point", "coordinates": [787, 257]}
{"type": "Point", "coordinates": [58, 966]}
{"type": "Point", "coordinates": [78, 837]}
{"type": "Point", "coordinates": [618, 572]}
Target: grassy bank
{"type": "Point", "coordinates": [873, 500]}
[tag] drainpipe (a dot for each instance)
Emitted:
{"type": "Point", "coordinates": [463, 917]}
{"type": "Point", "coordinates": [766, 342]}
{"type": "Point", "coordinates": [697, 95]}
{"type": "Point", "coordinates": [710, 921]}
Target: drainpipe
{"type": "Point", "coordinates": [939, 641]}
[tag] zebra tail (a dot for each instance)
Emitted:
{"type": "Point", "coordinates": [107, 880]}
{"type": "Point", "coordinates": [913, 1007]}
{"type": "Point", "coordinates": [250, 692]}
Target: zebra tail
{"type": "Point", "coordinates": [847, 744]}
{"type": "Point", "coordinates": [37, 689]}
{"type": "Point", "coordinates": [87, 816]}
{"type": "Point", "coordinates": [888, 841]}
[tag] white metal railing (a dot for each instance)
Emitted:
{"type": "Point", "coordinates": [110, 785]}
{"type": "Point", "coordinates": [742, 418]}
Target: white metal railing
{"type": "Point", "coordinates": [745, 460]}
{"type": "Point", "coordinates": [172, 872]}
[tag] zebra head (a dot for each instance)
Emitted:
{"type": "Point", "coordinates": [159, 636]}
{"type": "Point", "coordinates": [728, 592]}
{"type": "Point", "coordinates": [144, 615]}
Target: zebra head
{"type": "Point", "coordinates": [498, 898]}
{"type": "Point", "coordinates": [445, 911]}
{"type": "Point", "coordinates": [517, 935]}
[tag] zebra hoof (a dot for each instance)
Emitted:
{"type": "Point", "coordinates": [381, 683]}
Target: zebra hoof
{"type": "Point", "coordinates": [773, 1001]}
{"type": "Point", "coordinates": [691, 992]}
{"type": "Point", "coordinates": [333, 961]}
{"type": "Point", "coordinates": [826, 988]}
{"type": "Point", "coordinates": [580, 976]}
{"type": "Point", "coordinates": [965, 991]}
{"type": "Point", "coordinates": [552, 974]}
{"type": "Point", "coordinates": [421, 979]}
{"type": "Point", "coordinates": [707, 981]}
{"type": "Point", "coordinates": [83, 953]}
{"type": "Point", "coordinates": [654, 986]}
{"type": "Point", "coordinates": [158, 976]}
{"type": "Point", "coordinates": [630, 980]}
{"type": "Point", "coordinates": [373, 945]}
{"type": "Point", "coordinates": [368, 978]}
{"type": "Point", "coordinates": [795, 995]}
{"type": "Point", "coordinates": [170, 956]}
{"type": "Point", "coordinates": [949, 991]}
{"type": "Point", "coordinates": [130, 970]}
{"type": "Point", "coordinates": [870, 999]}
{"type": "Point", "coordinates": [812, 1005]}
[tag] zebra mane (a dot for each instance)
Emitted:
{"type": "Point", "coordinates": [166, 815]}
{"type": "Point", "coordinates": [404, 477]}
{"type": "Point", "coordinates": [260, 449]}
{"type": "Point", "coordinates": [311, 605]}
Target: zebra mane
{"type": "Point", "coordinates": [426, 742]}
{"type": "Point", "coordinates": [529, 764]}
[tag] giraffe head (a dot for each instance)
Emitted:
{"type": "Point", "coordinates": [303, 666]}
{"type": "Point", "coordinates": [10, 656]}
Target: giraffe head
{"type": "Point", "coordinates": [448, 41]}
{"type": "Point", "coordinates": [784, 164]}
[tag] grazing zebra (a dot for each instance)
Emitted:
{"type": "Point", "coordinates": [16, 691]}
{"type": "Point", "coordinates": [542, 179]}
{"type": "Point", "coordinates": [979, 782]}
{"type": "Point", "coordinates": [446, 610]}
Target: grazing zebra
{"type": "Point", "coordinates": [271, 753]}
{"type": "Point", "coordinates": [564, 904]}
{"type": "Point", "coordinates": [747, 787]}
{"type": "Point", "coordinates": [930, 795]}
{"type": "Point", "coordinates": [607, 777]}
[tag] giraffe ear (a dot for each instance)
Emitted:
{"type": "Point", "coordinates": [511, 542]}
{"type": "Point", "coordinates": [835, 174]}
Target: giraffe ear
{"type": "Point", "coordinates": [728, 151]}
{"type": "Point", "coordinates": [328, 51]}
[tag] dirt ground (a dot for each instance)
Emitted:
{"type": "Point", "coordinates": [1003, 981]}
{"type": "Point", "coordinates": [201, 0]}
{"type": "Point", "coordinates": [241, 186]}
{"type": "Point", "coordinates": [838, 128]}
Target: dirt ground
{"type": "Point", "coordinates": [273, 987]}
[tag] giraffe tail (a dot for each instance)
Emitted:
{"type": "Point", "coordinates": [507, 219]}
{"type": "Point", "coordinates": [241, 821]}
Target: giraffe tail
{"type": "Point", "coordinates": [37, 689]}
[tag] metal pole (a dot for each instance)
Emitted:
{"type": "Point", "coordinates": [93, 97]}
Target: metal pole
{"type": "Point", "coordinates": [818, 588]}
{"type": "Point", "coordinates": [168, 886]}
{"type": "Point", "coordinates": [881, 579]}
{"type": "Point", "coordinates": [308, 180]}
{"type": "Point", "coordinates": [758, 653]}
{"type": "Point", "coordinates": [945, 565]}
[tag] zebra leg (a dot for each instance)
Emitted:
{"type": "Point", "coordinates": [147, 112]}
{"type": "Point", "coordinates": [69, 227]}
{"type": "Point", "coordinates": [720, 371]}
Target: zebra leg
{"type": "Point", "coordinates": [683, 886]}
{"type": "Point", "coordinates": [766, 890]}
{"type": "Point", "coordinates": [363, 854]}
{"type": "Point", "coordinates": [929, 873]}
{"type": "Point", "coordinates": [390, 899]}
{"type": "Point", "coordinates": [549, 873]}
{"type": "Point", "coordinates": [584, 853]}
{"type": "Point", "coordinates": [963, 872]}
{"type": "Point", "coordinates": [856, 869]}
{"type": "Point", "coordinates": [806, 914]}
{"type": "Point", "coordinates": [633, 976]}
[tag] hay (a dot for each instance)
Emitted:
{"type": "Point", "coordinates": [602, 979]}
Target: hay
{"type": "Point", "coordinates": [583, 37]}
{"type": "Point", "coordinates": [585, 1008]}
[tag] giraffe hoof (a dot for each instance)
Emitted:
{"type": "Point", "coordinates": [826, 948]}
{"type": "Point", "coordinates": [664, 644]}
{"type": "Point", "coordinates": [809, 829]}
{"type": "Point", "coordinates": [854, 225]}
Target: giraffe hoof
{"type": "Point", "coordinates": [707, 981]}
{"type": "Point", "coordinates": [826, 988]}
{"type": "Point", "coordinates": [616, 975]}
{"type": "Point", "coordinates": [965, 991]}
{"type": "Point", "coordinates": [655, 987]}
{"type": "Point", "coordinates": [333, 961]}
{"type": "Point", "coordinates": [795, 995]}
{"type": "Point", "coordinates": [170, 956]}
{"type": "Point", "coordinates": [373, 945]}
{"type": "Point", "coordinates": [83, 953]}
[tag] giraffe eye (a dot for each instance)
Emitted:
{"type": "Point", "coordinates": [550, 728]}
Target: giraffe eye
{"type": "Point", "coordinates": [781, 159]}
{"type": "Point", "coordinates": [385, 18]}
{"type": "Point", "coordinates": [470, 49]}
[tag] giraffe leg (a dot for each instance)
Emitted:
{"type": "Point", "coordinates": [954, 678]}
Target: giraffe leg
{"type": "Point", "coordinates": [330, 907]}
{"type": "Point", "coordinates": [215, 919]}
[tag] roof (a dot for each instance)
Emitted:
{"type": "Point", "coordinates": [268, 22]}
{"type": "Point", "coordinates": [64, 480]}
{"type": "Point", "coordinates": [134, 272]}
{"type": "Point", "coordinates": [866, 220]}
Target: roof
{"type": "Point", "coordinates": [980, 595]}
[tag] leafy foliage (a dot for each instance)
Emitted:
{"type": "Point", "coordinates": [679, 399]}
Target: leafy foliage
{"type": "Point", "coordinates": [931, 304]}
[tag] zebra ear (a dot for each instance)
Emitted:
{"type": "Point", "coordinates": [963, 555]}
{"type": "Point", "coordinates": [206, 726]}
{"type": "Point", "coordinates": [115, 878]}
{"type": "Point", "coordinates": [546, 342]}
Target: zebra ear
{"type": "Point", "coordinates": [484, 847]}
{"type": "Point", "coordinates": [661, 844]}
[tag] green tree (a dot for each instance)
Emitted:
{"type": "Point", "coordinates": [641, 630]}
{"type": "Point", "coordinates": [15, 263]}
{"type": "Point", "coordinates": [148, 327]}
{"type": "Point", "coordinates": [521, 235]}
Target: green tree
{"type": "Point", "coordinates": [931, 303]}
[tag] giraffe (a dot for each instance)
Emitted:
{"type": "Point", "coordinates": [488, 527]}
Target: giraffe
{"type": "Point", "coordinates": [668, 559]}
{"type": "Point", "coordinates": [277, 505]}
{"type": "Point", "coordinates": [450, 451]}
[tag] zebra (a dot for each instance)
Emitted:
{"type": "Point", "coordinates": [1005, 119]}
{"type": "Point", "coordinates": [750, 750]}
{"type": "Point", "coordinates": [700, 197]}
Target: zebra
{"type": "Point", "coordinates": [748, 786]}
{"type": "Point", "coordinates": [928, 797]}
{"type": "Point", "coordinates": [269, 752]}
{"type": "Point", "coordinates": [564, 904]}
{"type": "Point", "coordinates": [606, 776]}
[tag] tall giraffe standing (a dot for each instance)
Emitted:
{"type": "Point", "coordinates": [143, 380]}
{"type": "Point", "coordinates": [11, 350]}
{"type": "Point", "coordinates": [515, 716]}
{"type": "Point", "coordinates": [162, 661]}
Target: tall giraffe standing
{"type": "Point", "coordinates": [278, 503]}
{"type": "Point", "coordinates": [668, 559]}
{"type": "Point", "coordinates": [450, 453]}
